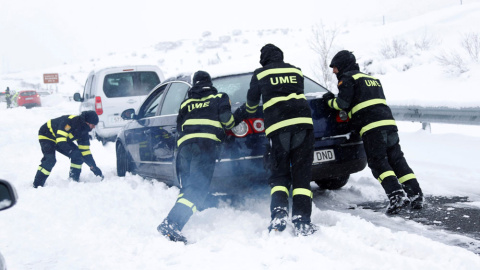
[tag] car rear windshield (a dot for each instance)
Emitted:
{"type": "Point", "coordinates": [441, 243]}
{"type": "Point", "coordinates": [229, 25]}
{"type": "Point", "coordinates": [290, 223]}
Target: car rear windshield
{"type": "Point", "coordinates": [138, 83]}
{"type": "Point", "coordinates": [28, 93]}
{"type": "Point", "coordinates": [237, 86]}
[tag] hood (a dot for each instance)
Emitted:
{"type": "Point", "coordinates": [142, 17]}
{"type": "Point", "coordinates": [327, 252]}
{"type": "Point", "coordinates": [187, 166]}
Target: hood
{"type": "Point", "coordinates": [269, 54]}
{"type": "Point", "coordinates": [202, 85]}
{"type": "Point", "coordinates": [90, 117]}
{"type": "Point", "coordinates": [344, 61]}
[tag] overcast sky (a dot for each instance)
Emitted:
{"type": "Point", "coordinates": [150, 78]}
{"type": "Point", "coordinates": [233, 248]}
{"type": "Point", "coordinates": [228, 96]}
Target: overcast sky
{"type": "Point", "coordinates": [38, 34]}
{"type": "Point", "coordinates": [41, 33]}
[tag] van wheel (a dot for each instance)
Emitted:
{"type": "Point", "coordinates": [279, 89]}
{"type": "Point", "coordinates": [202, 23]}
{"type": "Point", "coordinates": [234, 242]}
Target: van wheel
{"type": "Point", "coordinates": [333, 183]}
{"type": "Point", "coordinates": [122, 161]}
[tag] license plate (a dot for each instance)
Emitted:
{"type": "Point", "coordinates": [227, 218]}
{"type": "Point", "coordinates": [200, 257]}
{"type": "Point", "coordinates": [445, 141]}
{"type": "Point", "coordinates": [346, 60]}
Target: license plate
{"type": "Point", "coordinates": [116, 120]}
{"type": "Point", "coordinates": [323, 155]}
{"type": "Point", "coordinates": [29, 98]}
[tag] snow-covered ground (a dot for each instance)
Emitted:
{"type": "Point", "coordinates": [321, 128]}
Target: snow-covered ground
{"type": "Point", "coordinates": [111, 224]}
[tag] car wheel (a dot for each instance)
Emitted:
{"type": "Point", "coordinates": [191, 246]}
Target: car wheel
{"type": "Point", "coordinates": [122, 160]}
{"type": "Point", "coordinates": [333, 183]}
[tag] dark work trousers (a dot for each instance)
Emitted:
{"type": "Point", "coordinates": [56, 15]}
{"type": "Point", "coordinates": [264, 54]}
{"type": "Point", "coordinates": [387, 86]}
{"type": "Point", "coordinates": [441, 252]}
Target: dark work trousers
{"type": "Point", "coordinates": [384, 155]}
{"type": "Point", "coordinates": [48, 161]}
{"type": "Point", "coordinates": [293, 155]}
{"type": "Point", "coordinates": [196, 163]}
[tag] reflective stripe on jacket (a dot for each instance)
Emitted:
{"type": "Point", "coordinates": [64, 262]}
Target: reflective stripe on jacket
{"type": "Point", "coordinates": [66, 129]}
{"type": "Point", "coordinates": [201, 118]}
{"type": "Point", "coordinates": [285, 107]}
{"type": "Point", "coordinates": [362, 96]}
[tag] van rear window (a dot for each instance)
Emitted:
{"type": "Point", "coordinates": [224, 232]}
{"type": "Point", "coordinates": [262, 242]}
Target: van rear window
{"type": "Point", "coordinates": [138, 83]}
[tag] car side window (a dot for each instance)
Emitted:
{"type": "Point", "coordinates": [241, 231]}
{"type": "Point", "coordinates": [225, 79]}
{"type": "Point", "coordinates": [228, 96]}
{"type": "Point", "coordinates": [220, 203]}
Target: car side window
{"type": "Point", "coordinates": [313, 87]}
{"type": "Point", "coordinates": [176, 94]}
{"type": "Point", "coordinates": [150, 106]}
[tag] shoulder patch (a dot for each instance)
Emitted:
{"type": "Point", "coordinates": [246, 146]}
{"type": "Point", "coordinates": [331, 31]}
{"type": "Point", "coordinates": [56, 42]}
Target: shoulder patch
{"type": "Point", "coordinates": [340, 83]}
{"type": "Point", "coordinates": [68, 127]}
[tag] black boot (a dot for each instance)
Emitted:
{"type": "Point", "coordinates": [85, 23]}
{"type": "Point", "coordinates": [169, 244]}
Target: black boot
{"type": "Point", "coordinates": [414, 193]}
{"type": "Point", "coordinates": [279, 220]}
{"type": "Point", "coordinates": [398, 200]}
{"type": "Point", "coordinates": [74, 174]}
{"type": "Point", "coordinates": [171, 231]}
{"type": "Point", "coordinates": [40, 179]}
{"type": "Point", "coordinates": [304, 228]}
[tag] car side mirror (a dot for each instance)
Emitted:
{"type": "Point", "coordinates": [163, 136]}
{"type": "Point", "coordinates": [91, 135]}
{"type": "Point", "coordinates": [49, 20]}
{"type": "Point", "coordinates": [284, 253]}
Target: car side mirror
{"type": "Point", "coordinates": [8, 195]}
{"type": "Point", "coordinates": [128, 114]}
{"type": "Point", "coordinates": [77, 97]}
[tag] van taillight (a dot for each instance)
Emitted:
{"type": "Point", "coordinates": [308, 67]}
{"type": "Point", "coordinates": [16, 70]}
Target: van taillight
{"type": "Point", "coordinates": [98, 106]}
{"type": "Point", "coordinates": [247, 126]}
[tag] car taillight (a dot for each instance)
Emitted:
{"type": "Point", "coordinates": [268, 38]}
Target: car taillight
{"type": "Point", "coordinates": [240, 130]}
{"type": "Point", "coordinates": [98, 106]}
{"type": "Point", "coordinates": [257, 125]}
{"type": "Point", "coordinates": [248, 126]}
{"type": "Point", "coordinates": [342, 117]}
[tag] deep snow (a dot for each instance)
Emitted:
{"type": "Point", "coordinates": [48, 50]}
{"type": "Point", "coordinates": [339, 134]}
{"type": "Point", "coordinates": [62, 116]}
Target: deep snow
{"type": "Point", "coordinates": [111, 224]}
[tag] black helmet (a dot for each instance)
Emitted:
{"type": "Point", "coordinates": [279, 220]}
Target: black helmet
{"type": "Point", "coordinates": [90, 117]}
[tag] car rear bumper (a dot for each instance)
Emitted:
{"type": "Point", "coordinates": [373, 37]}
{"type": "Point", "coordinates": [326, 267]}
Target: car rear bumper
{"type": "Point", "coordinates": [106, 133]}
{"type": "Point", "coordinates": [29, 104]}
{"type": "Point", "coordinates": [232, 175]}
{"type": "Point", "coordinates": [235, 175]}
{"type": "Point", "coordinates": [352, 159]}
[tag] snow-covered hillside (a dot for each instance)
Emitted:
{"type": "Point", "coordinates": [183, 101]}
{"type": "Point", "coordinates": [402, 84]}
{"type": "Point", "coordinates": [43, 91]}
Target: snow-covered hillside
{"type": "Point", "coordinates": [417, 52]}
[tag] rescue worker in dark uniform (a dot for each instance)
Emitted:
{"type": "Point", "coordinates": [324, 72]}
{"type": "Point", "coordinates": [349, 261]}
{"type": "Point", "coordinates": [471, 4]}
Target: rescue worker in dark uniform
{"type": "Point", "coordinates": [201, 123]}
{"type": "Point", "coordinates": [362, 97]}
{"type": "Point", "coordinates": [8, 98]}
{"type": "Point", "coordinates": [59, 134]}
{"type": "Point", "coordinates": [289, 128]}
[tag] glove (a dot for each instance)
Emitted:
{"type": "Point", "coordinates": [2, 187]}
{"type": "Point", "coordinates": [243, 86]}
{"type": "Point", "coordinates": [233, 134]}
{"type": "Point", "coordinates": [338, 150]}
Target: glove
{"type": "Point", "coordinates": [326, 97]}
{"type": "Point", "coordinates": [97, 171]}
{"type": "Point", "coordinates": [240, 114]}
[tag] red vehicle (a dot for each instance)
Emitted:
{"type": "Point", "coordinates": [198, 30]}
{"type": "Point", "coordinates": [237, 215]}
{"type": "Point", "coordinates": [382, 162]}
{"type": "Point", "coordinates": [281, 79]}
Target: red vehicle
{"type": "Point", "coordinates": [28, 98]}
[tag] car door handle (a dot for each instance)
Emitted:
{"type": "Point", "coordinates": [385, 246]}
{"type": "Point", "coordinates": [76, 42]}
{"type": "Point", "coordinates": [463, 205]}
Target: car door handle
{"type": "Point", "coordinates": [131, 101]}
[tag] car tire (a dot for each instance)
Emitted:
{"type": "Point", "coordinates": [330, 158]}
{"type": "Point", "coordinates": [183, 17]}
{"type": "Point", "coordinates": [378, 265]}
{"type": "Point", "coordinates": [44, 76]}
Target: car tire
{"type": "Point", "coordinates": [122, 161]}
{"type": "Point", "coordinates": [333, 183]}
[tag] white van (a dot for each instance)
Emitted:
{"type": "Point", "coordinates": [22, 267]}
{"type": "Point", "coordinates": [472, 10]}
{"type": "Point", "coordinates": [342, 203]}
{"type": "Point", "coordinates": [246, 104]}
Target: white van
{"type": "Point", "coordinates": [110, 91]}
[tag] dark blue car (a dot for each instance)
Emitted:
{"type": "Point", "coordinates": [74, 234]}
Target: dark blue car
{"type": "Point", "coordinates": [147, 144]}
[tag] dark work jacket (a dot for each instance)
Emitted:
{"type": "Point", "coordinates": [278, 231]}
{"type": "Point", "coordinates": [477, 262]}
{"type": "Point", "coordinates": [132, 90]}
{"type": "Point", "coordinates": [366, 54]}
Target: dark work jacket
{"type": "Point", "coordinates": [362, 96]}
{"type": "Point", "coordinates": [66, 129]}
{"type": "Point", "coordinates": [285, 107]}
{"type": "Point", "coordinates": [204, 115]}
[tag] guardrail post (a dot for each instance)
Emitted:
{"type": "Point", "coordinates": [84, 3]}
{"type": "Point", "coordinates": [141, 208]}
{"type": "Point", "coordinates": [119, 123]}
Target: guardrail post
{"type": "Point", "coordinates": [426, 126]}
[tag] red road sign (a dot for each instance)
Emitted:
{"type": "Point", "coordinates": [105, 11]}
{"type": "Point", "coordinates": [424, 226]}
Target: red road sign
{"type": "Point", "coordinates": [50, 78]}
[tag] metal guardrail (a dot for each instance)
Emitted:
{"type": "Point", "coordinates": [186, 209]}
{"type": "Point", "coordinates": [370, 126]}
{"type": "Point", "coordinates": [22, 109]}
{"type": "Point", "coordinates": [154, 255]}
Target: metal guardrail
{"type": "Point", "coordinates": [427, 115]}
